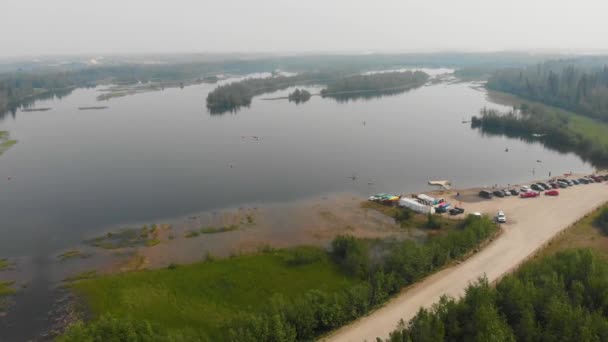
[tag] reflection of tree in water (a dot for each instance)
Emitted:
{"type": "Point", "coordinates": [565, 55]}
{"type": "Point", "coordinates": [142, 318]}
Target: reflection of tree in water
{"type": "Point", "coordinates": [538, 124]}
{"type": "Point", "coordinates": [365, 95]}
{"type": "Point", "coordinates": [31, 102]}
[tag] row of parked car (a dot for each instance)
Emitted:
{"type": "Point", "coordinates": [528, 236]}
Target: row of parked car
{"type": "Point", "coordinates": [550, 188]}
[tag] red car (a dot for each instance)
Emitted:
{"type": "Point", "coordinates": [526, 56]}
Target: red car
{"type": "Point", "coordinates": [552, 193]}
{"type": "Point", "coordinates": [528, 194]}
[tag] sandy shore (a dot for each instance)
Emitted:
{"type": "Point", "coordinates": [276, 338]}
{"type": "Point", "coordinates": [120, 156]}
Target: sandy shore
{"type": "Point", "coordinates": [531, 224]}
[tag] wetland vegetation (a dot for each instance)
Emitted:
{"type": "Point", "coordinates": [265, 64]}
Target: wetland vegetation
{"type": "Point", "coordinates": [6, 142]}
{"type": "Point", "coordinates": [292, 294]}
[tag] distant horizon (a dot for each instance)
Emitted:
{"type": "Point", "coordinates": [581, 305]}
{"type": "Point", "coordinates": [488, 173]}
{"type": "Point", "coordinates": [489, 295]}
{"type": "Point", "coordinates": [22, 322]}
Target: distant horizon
{"type": "Point", "coordinates": [303, 53]}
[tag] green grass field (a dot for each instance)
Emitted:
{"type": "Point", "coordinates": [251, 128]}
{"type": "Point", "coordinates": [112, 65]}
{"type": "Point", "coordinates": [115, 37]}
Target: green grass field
{"type": "Point", "coordinates": [583, 234]}
{"type": "Point", "coordinates": [206, 296]}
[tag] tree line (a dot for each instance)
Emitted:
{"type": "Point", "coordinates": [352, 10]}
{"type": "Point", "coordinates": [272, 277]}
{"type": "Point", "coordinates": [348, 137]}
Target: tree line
{"type": "Point", "coordinates": [559, 83]}
{"type": "Point", "coordinates": [539, 123]}
{"type": "Point", "coordinates": [560, 298]}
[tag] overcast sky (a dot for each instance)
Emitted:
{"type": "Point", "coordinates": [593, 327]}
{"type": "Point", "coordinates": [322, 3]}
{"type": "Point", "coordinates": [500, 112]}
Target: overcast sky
{"type": "Point", "coordinates": [31, 27]}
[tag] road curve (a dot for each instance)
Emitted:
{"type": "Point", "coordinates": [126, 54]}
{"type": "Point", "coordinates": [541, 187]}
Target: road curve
{"type": "Point", "coordinates": [532, 223]}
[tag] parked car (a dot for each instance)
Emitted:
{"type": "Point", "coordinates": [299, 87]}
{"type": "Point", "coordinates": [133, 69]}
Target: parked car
{"type": "Point", "coordinates": [498, 193]}
{"type": "Point", "coordinates": [565, 181]}
{"type": "Point", "coordinates": [514, 192]}
{"type": "Point", "coordinates": [537, 187]}
{"type": "Point", "coordinates": [456, 211]}
{"type": "Point", "coordinates": [552, 193]}
{"type": "Point", "coordinates": [554, 185]}
{"type": "Point", "coordinates": [528, 194]}
{"type": "Point", "coordinates": [583, 181]}
{"type": "Point", "coordinates": [544, 185]}
{"type": "Point", "coordinates": [485, 194]}
{"type": "Point", "coordinates": [476, 214]}
{"type": "Point", "coordinates": [501, 217]}
{"type": "Point", "coordinates": [597, 179]}
{"type": "Point", "coordinates": [506, 192]}
{"type": "Point", "coordinates": [525, 188]}
{"type": "Point", "coordinates": [575, 181]}
{"type": "Point", "coordinates": [590, 180]}
{"type": "Point", "coordinates": [562, 185]}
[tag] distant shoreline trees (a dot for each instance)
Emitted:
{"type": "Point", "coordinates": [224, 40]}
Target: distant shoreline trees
{"type": "Point", "coordinates": [539, 123]}
{"type": "Point", "coordinates": [560, 84]}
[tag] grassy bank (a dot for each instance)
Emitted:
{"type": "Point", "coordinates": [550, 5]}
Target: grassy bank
{"type": "Point", "coordinates": [584, 234]}
{"type": "Point", "coordinates": [200, 299]}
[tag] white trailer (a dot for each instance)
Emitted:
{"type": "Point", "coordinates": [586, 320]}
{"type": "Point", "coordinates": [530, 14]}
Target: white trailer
{"type": "Point", "coordinates": [426, 199]}
{"type": "Point", "coordinates": [416, 206]}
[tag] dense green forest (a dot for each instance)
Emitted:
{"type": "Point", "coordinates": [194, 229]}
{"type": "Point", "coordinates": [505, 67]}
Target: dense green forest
{"type": "Point", "coordinates": [561, 298]}
{"type": "Point", "coordinates": [376, 270]}
{"type": "Point", "coordinates": [374, 84]}
{"type": "Point", "coordinates": [555, 129]}
{"type": "Point", "coordinates": [580, 88]}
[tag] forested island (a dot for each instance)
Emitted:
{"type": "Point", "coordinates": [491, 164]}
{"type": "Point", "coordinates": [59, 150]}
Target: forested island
{"type": "Point", "coordinates": [560, 298]}
{"type": "Point", "coordinates": [299, 96]}
{"type": "Point", "coordinates": [373, 85]}
{"type": "Point", "coordinates": [231, 97]}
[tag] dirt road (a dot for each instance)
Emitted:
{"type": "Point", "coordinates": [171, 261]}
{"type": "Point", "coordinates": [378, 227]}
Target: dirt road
{"type": "Point", "coordinates": [531, 223]}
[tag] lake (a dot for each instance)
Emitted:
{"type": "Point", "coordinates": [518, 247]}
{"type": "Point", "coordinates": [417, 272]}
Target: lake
{"type": "Point", "coordinates": [159, 155]}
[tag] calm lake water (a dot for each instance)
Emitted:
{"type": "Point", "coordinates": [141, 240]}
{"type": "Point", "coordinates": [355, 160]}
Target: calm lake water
{"type": "Point", "coordinates": [159, 155]}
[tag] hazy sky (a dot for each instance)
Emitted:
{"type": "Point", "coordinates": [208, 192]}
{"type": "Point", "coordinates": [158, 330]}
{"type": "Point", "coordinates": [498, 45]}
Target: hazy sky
{"type": "Point", "coordinates": [30, 27]}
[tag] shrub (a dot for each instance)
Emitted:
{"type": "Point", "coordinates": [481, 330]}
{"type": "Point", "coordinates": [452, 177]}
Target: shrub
{"type": "Point", "coordinates": [351, 254]}
{"type": "Point", "coordinates": [304, 256]}
{"type": "Point", "coordinates": [602, 221]}
{"type": "Point", "coordinates": [432, 222]}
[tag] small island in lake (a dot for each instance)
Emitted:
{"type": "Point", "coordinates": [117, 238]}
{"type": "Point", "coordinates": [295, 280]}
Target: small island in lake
{"type": "Point", "coordinates": [299, 96]}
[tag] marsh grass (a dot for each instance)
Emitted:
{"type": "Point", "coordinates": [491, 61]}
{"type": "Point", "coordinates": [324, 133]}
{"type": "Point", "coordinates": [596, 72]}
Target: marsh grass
{"type": "Point", "coordinates": [4, 264]}
{"type": "Point", "coordinates": [207, 296]}
{"type": "Point", "coordinates": [72, 254]}
{"type": "Point", "coordinates": [215, 230]}
{"type": "Point", "coordinates": [6, 288]}
{"type": "Point", "coordinates": [211, 230]}
{"type": "Point", "coordinates": [81, 276]}
{"type": "Point", "coordinates": [130, 237]}
{"type": "Point", "coordinates": [5, 141]}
